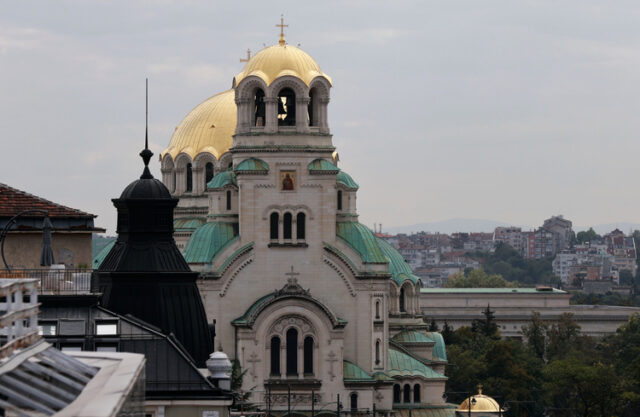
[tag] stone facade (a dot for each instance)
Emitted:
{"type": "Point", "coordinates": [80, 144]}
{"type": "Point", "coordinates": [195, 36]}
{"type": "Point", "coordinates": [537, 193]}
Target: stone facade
{"type": "Point", "coordinates": [304, 296]}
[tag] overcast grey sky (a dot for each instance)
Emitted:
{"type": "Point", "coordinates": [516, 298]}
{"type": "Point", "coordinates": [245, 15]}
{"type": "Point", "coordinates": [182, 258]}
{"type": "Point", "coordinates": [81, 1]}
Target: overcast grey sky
{"type": "Point", "coordinates": [504, 110]}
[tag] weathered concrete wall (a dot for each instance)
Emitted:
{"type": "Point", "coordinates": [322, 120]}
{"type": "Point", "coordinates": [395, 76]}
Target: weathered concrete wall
{"type": "Point", "coordinates": [23, 249]}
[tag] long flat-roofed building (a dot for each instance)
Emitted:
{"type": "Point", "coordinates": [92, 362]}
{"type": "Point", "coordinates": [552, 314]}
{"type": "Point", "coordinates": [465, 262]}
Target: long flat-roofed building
{"type": "Point", "coordinates": [513, 308]}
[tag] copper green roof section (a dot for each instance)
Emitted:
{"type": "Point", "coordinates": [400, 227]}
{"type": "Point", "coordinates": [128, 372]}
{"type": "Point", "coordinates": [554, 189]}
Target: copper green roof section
{"type": "Point", "coordinates": [252, 166]}
{"type": "Point", "coordinates": [207, 241]}
{"type": "Point", "coordinates": [353, 373]}
{"type": "Point", "coordinates": [439, 349]}
{"type": "Point", "coordinates": [401, 364]}
{"type": "Point", "coordinates": [97, 260]}
{"type": "Point", "coordinates": [398, 268]}
{"type": "Point", "coordinates": [244, 319]}
{"type": "Point", "coordinates": [346, 180]}
{"type": "Point", "coordinates": [187, 225]}
{"type": "Point", "coordinates": [491, 291]}
{"type": "Point", "coordinates": [412, 336]}
{"type": "Point", "coordinates": [223, 179]}
{"type": "Point", "coordinates": [322, 166]}
{"type": "Point", "coordinates": [362, 240]}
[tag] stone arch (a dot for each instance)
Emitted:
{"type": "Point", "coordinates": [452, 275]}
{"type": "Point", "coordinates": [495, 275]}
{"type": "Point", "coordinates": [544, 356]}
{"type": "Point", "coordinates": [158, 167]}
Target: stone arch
{"type": "Point", "coordinates": [244, 97]}
{"type": "Point", "coordinates": [287, 207]}
{"type": "Point", "coordinates": [408, 291]}
{"type": "Point", "coordinates": [168, 169]}
{"type": "Point", "coordinates": [199, 171]}
{"type": "Point", "coordinates": [182, 161]}
{"type": "Point", "coordinates": [297, 85]}
{"type": "Point", "coordinates": [319, 104]}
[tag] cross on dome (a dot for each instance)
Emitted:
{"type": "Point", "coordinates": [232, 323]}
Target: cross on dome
{"type": "Point", "coordinates": [248, 56]}
{"type": "Point", "coordinates": [282, 26]}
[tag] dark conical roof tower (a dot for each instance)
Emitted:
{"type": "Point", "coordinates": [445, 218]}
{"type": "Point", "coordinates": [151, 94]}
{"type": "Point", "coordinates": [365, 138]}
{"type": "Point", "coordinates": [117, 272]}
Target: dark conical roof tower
{"type": "Point", "coordinates": [145, 274]}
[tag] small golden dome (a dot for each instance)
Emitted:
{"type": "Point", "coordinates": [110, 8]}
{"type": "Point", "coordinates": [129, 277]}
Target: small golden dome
{"type": "Point", "coordinates": [279, 60]}
{"type": "Point", "coordinates": [207, 128]}
{"type": "Point", "coordinates": [482, 403]}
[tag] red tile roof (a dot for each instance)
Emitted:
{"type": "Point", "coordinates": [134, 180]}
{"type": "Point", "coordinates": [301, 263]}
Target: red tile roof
{"type": "Point", "coordinates": [13, 201]}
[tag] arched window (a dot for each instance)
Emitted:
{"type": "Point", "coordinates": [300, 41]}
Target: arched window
{"type": "Point", "coordinates": [416, 393]}
{"type": "Point", "coordinates": [286, 227]}
{"type": "Point", "coordinates": [275, 355]}
{"type": "Point", "coordinates": [208, 173]}
{"type": "Point", "coordinates": [292, 351]}
{"type": "Point", "coordinates": [377, 352]}
{"type": "Point", "coordinates": [339, 199]}
{"type": "Point", "coordinates": [273, 226]}
{"type": "Point", "coordinates": [396, 393]}
{"type": "Point", "coordinates": [258, 108]}
{"type": "Point", "coordinates": [230, 166]}
{"type": "Point", "coordinates": [228, 199]}
{"type": "Point", "coordinates": [189, 178]}
{"type": "Point", "coordinates": [354, 401]}
{"type": "Point", "coordinates": [403, 308]}
{"type": "Point", "coordinates": [286, 107]}
{"type": "Point", "coordinates": [377, 309]}
{"type": "Point", "coordinates": [300, 223]}
{"type": "Point", "coordinates": [406, 395]}
{"type": "Point", "coordinates": [308, 355]}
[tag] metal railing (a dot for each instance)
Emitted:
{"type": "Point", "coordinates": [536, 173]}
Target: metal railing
{"type": "Point", "coordinates": [55, 280]}
{"type": "Point", "coordinates": [18, 314]}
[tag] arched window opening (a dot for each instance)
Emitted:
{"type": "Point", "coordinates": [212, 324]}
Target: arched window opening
{"type": "Point", "coordinates": [312, 98]}
{"type": "Point", "coordinates": [339, 199]}
{"type": "Point", "coordinates": [406, 397]}
{"type": "Point", "coordinates": [208, 173]}
{"type": "Point", "coordinates": [354, 401]}
{"type": "Point", "coordinates": [416, 393]}
{"type": "Point", "coordinates": [230, 166]}
{"type": "Point", "coordinates": [292, 352]}
{"type": "Point", "coordinates": [286, 107]}
{"type": "Point", "coordinates": [275, 355]}
{"type": "Point", "coordinates": [403, 308]}
{"type": "Point", "coordinates": [228, 199]}
{"type": "Point", "coordinates": [308, 355]}
{"type": "Point", "coordinates": [258, 108]}
{"type": "Point", "coordinates": [189, 178]}
{"type": "Point", "coordinates": [273, 226]}
{"type": "Point", "coordinates": [286, 229]}
{"type": "Point", "coordinates": [377, 352]}
{"type": "Point", "coordinates": [377, 309]}
{"type": "Point", "coordinates": [300, 223]}
{"type": "Point", "coordinates": [396, 393]}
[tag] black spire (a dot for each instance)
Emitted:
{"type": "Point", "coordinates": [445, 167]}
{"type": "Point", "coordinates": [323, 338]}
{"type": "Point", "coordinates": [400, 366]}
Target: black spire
{"type": "Point", "coordinates": [146, 154]}
{"type": "Point", "coordinates": [145, 274]}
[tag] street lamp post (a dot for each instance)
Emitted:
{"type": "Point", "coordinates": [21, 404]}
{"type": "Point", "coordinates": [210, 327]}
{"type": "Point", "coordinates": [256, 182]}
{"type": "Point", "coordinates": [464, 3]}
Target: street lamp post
{"type": "Point", "coordinates": [46, 257]}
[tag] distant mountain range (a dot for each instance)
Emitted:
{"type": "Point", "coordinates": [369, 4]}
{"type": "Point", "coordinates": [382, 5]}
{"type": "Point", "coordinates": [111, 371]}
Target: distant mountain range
{"type": "Point", "coordinates": [483, 225]}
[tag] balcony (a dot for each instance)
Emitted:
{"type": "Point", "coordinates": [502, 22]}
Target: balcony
{"type": "Point", "coordinates": [54, 280]}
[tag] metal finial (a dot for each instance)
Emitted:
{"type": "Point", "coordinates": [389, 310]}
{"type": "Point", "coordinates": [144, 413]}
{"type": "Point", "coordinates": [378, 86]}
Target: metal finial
{"type": "Point", "coordinates": [146, 154]}
{"type": "Point", "coordinates": [248, 56]}
{"type": "Point", "coordinates": [282, 26]}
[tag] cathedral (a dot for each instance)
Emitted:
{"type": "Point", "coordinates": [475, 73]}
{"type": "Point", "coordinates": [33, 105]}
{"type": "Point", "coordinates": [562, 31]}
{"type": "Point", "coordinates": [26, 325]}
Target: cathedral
{"type": "Point", "coordinates": [320, 313]}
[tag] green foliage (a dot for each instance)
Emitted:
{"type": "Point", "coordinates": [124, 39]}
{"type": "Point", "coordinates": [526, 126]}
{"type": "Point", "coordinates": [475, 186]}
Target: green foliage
{"type": "Point", "coordinates": [609, 299]}
{"type": "Point", "coordinates": [626, 277]}
{"type": "Point", "coordinates": [477, 278]}
{"type": "Point", "coordinates": [508, 263]}
{"type": "Point", "coordinates": [487, 326]}
{"type": "Point", "coordinates": [240, 398]}
{"type": "Point", "coordinates": [433, 326]}
{"type": "Point", "coordinates": [556, 372]}
{"type": "Point", "coordinates": [587, 236]}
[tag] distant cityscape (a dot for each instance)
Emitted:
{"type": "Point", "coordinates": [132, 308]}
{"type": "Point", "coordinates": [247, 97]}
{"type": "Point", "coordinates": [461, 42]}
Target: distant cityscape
{"type": "Point", "coordinates": [586, 261]}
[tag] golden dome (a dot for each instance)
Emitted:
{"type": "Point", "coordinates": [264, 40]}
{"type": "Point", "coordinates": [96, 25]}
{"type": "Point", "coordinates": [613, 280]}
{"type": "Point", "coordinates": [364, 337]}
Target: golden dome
{"type": "Point", "coordinates": [278, 60]}
{"type": "Point", "coordinates": [483, 403]}
{"type": "Point", "coordinates": [207, 128]}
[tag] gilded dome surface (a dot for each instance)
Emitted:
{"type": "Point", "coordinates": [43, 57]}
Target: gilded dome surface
{"type": "Point", "coordinates": [207, 128]}
{"type": "Point", "coordinates": [483, 403]}
{"type": "Point", "coordinates": [279, 60]}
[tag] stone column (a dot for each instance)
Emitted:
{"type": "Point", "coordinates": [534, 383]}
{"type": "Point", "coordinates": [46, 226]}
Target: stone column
{"type": "Point", "coordinates": [323, 120]}
{"type": "Point", "coordinates": [301, 360]}
{"type": "Point", "coordinates": [302, 110]}
{"type": "Point", "coordinates": [271, 114]}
